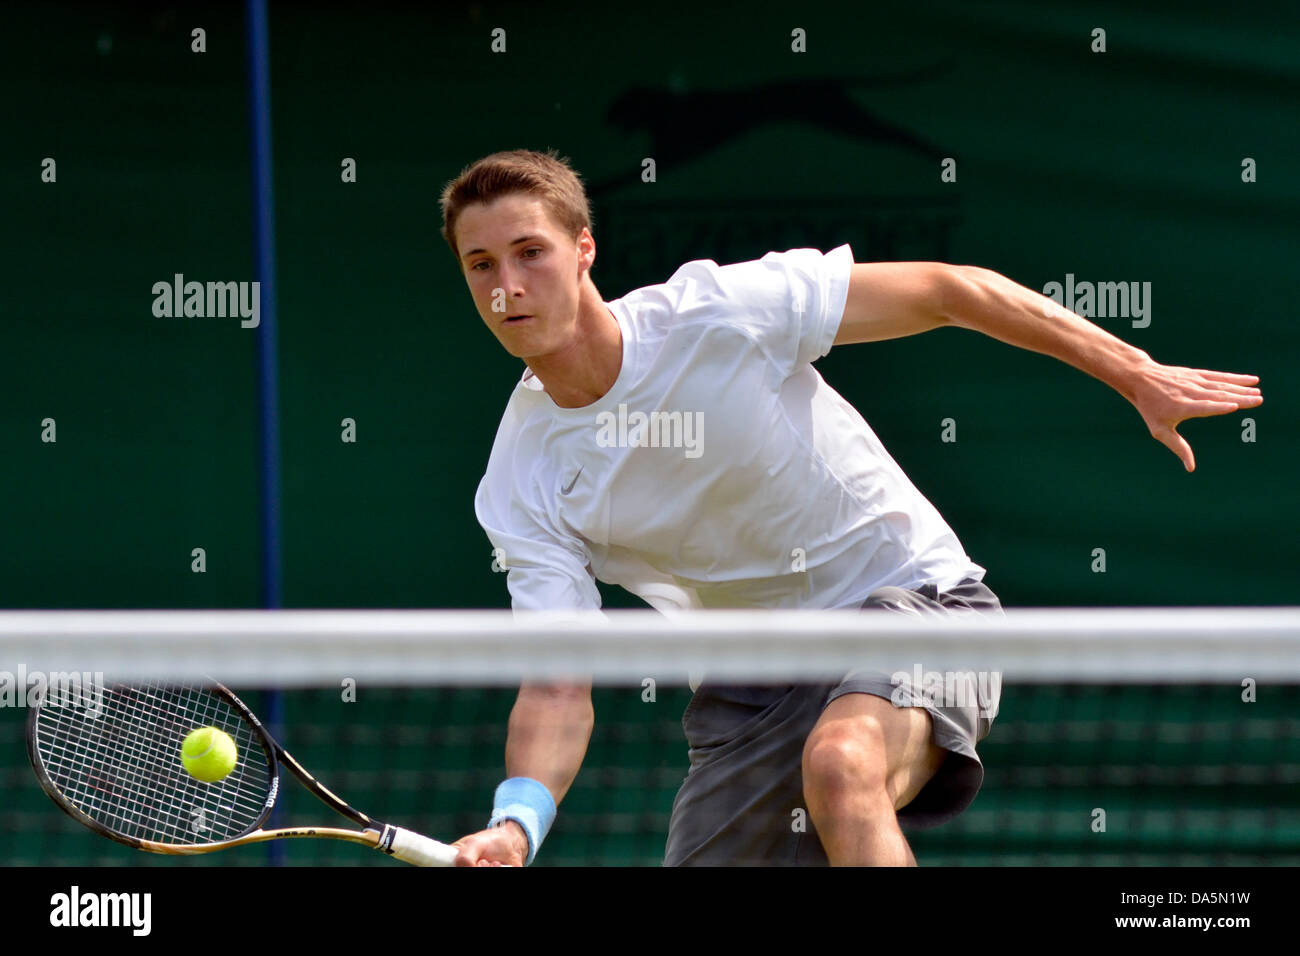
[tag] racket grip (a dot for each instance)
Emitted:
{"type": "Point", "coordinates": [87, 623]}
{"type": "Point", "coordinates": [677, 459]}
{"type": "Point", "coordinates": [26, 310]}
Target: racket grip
{"type": "Point", "coordinates": [410, 847]}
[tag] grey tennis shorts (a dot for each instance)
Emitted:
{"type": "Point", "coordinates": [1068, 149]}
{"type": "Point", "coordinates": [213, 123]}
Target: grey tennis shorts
{"type": "Point", "coordinates": [742, 802]}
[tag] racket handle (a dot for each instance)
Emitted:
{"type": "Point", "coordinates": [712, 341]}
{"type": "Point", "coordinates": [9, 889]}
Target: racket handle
{"type": "Point", "coordinates": [417, 850]}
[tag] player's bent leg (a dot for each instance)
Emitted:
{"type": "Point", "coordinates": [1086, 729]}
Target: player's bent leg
{"type": "Point", "coordinates": [864, 760]}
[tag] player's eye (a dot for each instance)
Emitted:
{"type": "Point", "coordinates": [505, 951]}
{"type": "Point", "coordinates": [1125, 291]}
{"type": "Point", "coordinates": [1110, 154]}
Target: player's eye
{"type": "Point", "coordinates": [535, 249]}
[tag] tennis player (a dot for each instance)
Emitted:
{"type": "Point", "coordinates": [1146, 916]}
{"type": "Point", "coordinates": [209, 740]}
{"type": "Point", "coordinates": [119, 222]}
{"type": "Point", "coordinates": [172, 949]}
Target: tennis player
{"type": "Point", "coordinates": [678, 442]}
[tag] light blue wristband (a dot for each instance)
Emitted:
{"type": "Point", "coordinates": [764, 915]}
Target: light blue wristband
{"type": "Point", "coordinates": [528, 803]}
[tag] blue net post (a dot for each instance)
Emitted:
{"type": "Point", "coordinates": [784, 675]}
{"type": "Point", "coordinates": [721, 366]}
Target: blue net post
{"type": "Point", "coordinates": [259, 118]}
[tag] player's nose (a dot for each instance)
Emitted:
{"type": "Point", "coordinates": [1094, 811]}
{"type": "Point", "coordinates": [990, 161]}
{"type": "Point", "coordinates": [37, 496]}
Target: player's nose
{"type": "Point", "coordinates": [510, 280]}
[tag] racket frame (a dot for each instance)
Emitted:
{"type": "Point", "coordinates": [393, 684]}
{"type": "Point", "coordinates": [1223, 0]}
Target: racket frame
{"type": "Point", "coordinates": [374, 834]}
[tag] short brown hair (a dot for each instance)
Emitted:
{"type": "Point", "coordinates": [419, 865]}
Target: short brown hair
{"type": "Point", "coordinates": [547, 176]}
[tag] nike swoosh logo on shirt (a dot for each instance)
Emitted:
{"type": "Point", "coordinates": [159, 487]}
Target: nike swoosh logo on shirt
{"type": "Point", "coordinates": [569, 487]}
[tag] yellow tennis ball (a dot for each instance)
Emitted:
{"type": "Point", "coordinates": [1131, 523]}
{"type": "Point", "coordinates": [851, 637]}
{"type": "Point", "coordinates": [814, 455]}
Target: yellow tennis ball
{"type": "Point", "coordinates": [209, 754]}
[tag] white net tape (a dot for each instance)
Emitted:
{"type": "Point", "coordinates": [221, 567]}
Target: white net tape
{"type": "Point", "coordinates": [488, 648]}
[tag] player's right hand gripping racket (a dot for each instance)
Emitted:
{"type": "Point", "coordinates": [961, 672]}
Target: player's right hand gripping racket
{"type": "Point", "coordinates": [112, 761]}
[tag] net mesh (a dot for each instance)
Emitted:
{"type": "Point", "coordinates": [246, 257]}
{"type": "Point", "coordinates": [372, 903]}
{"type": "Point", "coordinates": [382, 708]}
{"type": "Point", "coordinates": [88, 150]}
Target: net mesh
{"type": "Point", "coordinates": [1109, 771]}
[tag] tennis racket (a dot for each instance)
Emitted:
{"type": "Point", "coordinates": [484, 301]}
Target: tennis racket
{"type": "Point", "coordinates": [113, 763]}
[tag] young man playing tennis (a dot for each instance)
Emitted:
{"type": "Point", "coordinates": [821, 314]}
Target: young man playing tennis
{"type": "Point", "coordinates": [778, 461]}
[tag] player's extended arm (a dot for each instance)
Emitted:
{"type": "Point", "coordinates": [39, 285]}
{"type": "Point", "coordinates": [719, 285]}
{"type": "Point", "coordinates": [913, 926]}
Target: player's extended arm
{"type": "Point", "coordinates": [550, 727]}
{"type": "Point", "coordinates": [546, 739]}
{"type": "Point", "coordinates": [893, 299]}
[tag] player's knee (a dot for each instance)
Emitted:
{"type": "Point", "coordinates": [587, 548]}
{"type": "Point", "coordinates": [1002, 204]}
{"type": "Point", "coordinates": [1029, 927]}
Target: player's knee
{"type": "Point", "coordinates": [846, 759]}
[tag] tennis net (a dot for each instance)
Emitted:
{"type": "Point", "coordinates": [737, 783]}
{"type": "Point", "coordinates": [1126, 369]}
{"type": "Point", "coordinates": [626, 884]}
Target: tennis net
{"type": "Point", "coordinates": [1121, 736]}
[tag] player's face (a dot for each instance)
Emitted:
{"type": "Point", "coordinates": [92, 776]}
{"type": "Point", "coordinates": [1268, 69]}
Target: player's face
{"type": "Point", "coordinates": [519, 263]}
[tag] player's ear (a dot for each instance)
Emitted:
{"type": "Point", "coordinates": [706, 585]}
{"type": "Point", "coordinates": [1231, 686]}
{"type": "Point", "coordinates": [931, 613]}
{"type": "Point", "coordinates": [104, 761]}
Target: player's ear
{"type": "Point", "coordinates": [586, 248]}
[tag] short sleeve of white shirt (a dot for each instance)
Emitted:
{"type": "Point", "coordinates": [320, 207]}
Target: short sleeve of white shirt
{"type": "Point", "coordinates": [790, 302]}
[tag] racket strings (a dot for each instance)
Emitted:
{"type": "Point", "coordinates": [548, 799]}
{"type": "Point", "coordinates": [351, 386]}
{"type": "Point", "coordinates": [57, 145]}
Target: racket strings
{"type": "Point", "coordinates": [118, 760]}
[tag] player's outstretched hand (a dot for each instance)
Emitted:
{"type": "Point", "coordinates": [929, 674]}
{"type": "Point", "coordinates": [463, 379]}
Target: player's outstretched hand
{"type": "Point", "coordinates": [499, 846]}
{"type": "Point", "coordinates": [1165, 395]}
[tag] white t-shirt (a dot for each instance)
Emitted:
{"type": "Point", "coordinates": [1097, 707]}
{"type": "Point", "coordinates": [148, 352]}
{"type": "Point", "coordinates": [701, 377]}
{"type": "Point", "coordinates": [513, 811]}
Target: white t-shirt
{"type": "Point", "coordinates": [755, 485]}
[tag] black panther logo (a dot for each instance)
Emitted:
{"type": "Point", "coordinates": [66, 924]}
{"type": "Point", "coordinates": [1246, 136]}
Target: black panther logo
{"type": "Point", "coordinates": [683, 126]}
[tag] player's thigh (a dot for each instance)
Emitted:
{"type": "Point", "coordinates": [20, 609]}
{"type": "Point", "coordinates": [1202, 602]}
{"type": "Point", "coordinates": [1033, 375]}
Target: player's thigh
{"type": "Point", "coordinates": [896, 743]}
